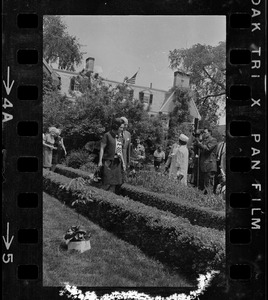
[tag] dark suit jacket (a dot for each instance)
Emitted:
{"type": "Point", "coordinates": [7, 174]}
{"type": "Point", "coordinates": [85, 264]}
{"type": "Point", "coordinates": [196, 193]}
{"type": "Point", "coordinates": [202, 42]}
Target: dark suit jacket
{"type": "Point", "coordinates": [208, 161]}
{"type": "Point", "coordinates": [126, 146]}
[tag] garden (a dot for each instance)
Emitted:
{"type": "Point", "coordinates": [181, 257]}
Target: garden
{"type": "Point", "coordinates": [153, 226]}
{"type": "Point", "coordinates": [153, 232]}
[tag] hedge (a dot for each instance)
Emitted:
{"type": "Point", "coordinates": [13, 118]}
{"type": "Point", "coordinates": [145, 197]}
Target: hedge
{"type": "Point", "coordinates": [171, 239]}
{"type": "Point", "coordinates": [196, 215]}
{"type": "Point", "coordinates": [201, 216]}
{"type": "Point", "coordinates": [71, 172]}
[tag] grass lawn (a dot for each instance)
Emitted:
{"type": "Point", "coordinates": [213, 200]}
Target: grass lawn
{"type": "Point", "coordinates": [110, 262]}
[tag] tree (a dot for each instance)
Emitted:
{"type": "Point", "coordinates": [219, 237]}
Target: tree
{"type": "Point", "coordinates": [54, 109]}
{"type": "Point", "coordinates": [206, 65]}
{"type": "Point", "coordinates": [59, 45]}
{"type": "Point", "coordinates": [180, 113]}
{"type": "Point", "coordinates": [48, 84]}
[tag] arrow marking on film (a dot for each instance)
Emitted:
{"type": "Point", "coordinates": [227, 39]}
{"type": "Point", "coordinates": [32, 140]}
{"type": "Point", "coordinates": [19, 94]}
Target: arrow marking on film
{"type": "Point", "coordinates": [7, 241]}
{"type": "Point", "coordinates": [7, 86]}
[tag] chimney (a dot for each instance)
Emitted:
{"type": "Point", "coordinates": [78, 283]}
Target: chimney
{"type": "Point", "coordinates": [151, 85]}
{"type": "Point", "coordinates": [181, 79]}
{"type": "Point", "coordinates": [89, 65]}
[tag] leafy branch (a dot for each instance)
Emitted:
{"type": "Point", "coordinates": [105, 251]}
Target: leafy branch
{"type": "Point", "coordinates": [80, 189]}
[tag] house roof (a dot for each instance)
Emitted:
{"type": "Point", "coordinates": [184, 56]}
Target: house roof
{"type": "Point", "coordinates": [166, 106]}
{"type": "Point", "coordinates": [50, 70]}
{"type": "Point", "coordinates": [47, 66]}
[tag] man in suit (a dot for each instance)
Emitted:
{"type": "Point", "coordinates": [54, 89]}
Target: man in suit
{"type": "Point", "coordinates": [221, 162]}
{"type": "Point", "coordinates": [208, 161]}
{"type": "Point", "coordinates": [126, 142]}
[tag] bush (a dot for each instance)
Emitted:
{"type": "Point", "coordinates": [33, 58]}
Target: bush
{"type": "Point", "coordinates": [171, 239]}
{"type": "Point", "coordinates": [160, 183]}
{"type": "Point", "coordinates": [77, 158]}
{"type": "Point", "coordinates": [177, 205]}
{"type": "Point", "coordinates": [72, 173]}
{"type": "Point", "coordinates": [90, 167]}
{"type": "Point", "coordinates": [182, 205]}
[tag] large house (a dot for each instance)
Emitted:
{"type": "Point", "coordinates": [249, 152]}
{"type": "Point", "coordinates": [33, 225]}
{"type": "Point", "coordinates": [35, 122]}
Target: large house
{"type": "Point", "coordinates": [156, 101]}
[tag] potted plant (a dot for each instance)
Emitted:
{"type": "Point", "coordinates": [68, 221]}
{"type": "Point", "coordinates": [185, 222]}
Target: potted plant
{"type": "Point", "coordinates": [76, 237]}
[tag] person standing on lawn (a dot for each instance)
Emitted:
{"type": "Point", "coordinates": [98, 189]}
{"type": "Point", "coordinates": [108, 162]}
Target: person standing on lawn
{"type": "Point", "coordinates": [126, 142]}
{"type": "Point", "coordinates": [57, 154]}
{"type": "Point", "coordinates": [170, 165]}
{"type": "Point", "coordinates": [182, 159]}
{"type": "Point", "coordinates": [208, 164]}
{"type": "Point", "coordinates": [220, 157]}
{"type": "Point", "coordinates": [159, 157]}
{"type": "Point", "coordinates": [48, 146]}
{"type": "Point", "coordinates": [221, 168]}
{"type": "Point", "coordinates": [111, 157]}
{"type": "Point", "coordinates": [139, 155]}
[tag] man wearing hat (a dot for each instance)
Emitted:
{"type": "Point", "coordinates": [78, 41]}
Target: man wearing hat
{"type": "Point", "coordinates": [208, 163]}
{"type": "Point", "coordinates": [182, 158]}
{"type": "Point", "coordinates": [126, 142]}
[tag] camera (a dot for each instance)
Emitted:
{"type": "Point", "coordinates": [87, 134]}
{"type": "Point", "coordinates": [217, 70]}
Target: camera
{"type": "Point", "coordinates": [197, 133]}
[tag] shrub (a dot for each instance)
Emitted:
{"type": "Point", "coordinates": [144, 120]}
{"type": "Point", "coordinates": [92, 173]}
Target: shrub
{"type": "Point", "coordinates": [177, 205]}
{"type": "Point", "coordinates": [89, 167]}
{"type": "Point", "coordinates": [160, 183]}
{"type": "Point", "coordinates": [171, 239]}
{"type": "Point", "coordinates": [72, 173]}
{"type": "Point", "coordinates": [181, 205]}
{"type": "Point", "coordinates": [77, 158]}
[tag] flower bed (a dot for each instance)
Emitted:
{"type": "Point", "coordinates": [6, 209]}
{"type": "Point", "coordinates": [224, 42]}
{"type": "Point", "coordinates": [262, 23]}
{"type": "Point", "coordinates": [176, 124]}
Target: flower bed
{"type": "Point", "coordinates": [201, 216]}
{"type": "Point", "coordinates": [171, 239]}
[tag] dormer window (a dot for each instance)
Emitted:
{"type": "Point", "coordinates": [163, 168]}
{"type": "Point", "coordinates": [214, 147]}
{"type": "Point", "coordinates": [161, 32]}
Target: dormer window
{"type": "Point", "coordinates": [146, 97]}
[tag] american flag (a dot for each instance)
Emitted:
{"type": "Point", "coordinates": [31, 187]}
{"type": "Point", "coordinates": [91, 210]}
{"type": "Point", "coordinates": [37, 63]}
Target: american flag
{"type": "Point", "coordinates": [132, 80]}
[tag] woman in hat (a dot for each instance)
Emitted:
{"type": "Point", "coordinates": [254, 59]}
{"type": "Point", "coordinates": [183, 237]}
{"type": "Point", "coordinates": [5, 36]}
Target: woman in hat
{"type": "Point", "coordinates": [48, 146]}
{"type": "Point", "coordinates": [111, 156]}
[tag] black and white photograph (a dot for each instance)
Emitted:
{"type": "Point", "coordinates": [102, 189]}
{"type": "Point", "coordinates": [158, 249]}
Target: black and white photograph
{"type": "Point", "coordinates": [134, 149]}
{"type": "Point", "coordinates": [134, 152]}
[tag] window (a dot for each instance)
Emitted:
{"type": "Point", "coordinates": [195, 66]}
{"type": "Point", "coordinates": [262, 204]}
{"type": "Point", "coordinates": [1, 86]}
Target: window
{"type": "Point", "coordinates": [131, 94]}
{"type": "Point", "coordinates": [151, 99]}
{"type": "Point", "coordinates": [76, 87]}
{"type": "Point", "coordinates": [146, 97]}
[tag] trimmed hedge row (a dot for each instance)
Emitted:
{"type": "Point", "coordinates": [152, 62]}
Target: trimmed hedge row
{"type": "Point", "coordinates": [196, 215]}
{"type": "Point", "coordinates": [169, 238]}
{"type": "Point", "coordinates": [201, 216]}
{"type": "Point", "coordinates": [71, 172]}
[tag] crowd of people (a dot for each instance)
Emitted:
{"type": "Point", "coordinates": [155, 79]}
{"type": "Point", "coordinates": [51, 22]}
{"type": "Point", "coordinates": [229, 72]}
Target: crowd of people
{"type": "Point", "coordinates": [198, 160]}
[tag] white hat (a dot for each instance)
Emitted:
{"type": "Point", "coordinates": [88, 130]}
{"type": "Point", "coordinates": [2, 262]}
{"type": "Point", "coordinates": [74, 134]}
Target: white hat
{"type": "Point", "coordinates": [183, 138]}
{"type": "Point", "coordinates": [124, 119]}
{"type": "Point", "coordinates": [54, 130]}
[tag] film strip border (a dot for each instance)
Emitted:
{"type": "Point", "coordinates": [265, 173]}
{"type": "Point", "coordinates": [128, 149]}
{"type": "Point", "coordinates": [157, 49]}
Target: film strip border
{"type": "Point", "coordinates": [22, 110]}
{"type": "Point", "coordinates": [246, 154]}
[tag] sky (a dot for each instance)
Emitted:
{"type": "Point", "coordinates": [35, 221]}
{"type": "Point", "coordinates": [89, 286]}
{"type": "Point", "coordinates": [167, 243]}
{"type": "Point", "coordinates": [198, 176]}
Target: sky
{"type": "Point", "coordinates": [122, 45]}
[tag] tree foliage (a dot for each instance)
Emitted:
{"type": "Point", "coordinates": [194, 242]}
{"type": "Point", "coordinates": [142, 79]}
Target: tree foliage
{"type": "Point", "coordinates": [206, 65]}
{"type": "Point", "coordinates": [91, 114]}
{"type": "Point", "coordinates": [180, 113]}
{"type": "Point", "coordinates": [58, 44]}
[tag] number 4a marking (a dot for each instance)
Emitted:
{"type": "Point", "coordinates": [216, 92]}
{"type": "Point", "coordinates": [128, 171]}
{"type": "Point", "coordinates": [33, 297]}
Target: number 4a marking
{"type": "Point", "coordinates": [7, 103]}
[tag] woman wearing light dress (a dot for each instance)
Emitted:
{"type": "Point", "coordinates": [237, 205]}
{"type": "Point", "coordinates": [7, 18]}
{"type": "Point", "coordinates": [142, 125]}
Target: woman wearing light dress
{"type": "Point", "coordinates": [48, 146]}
